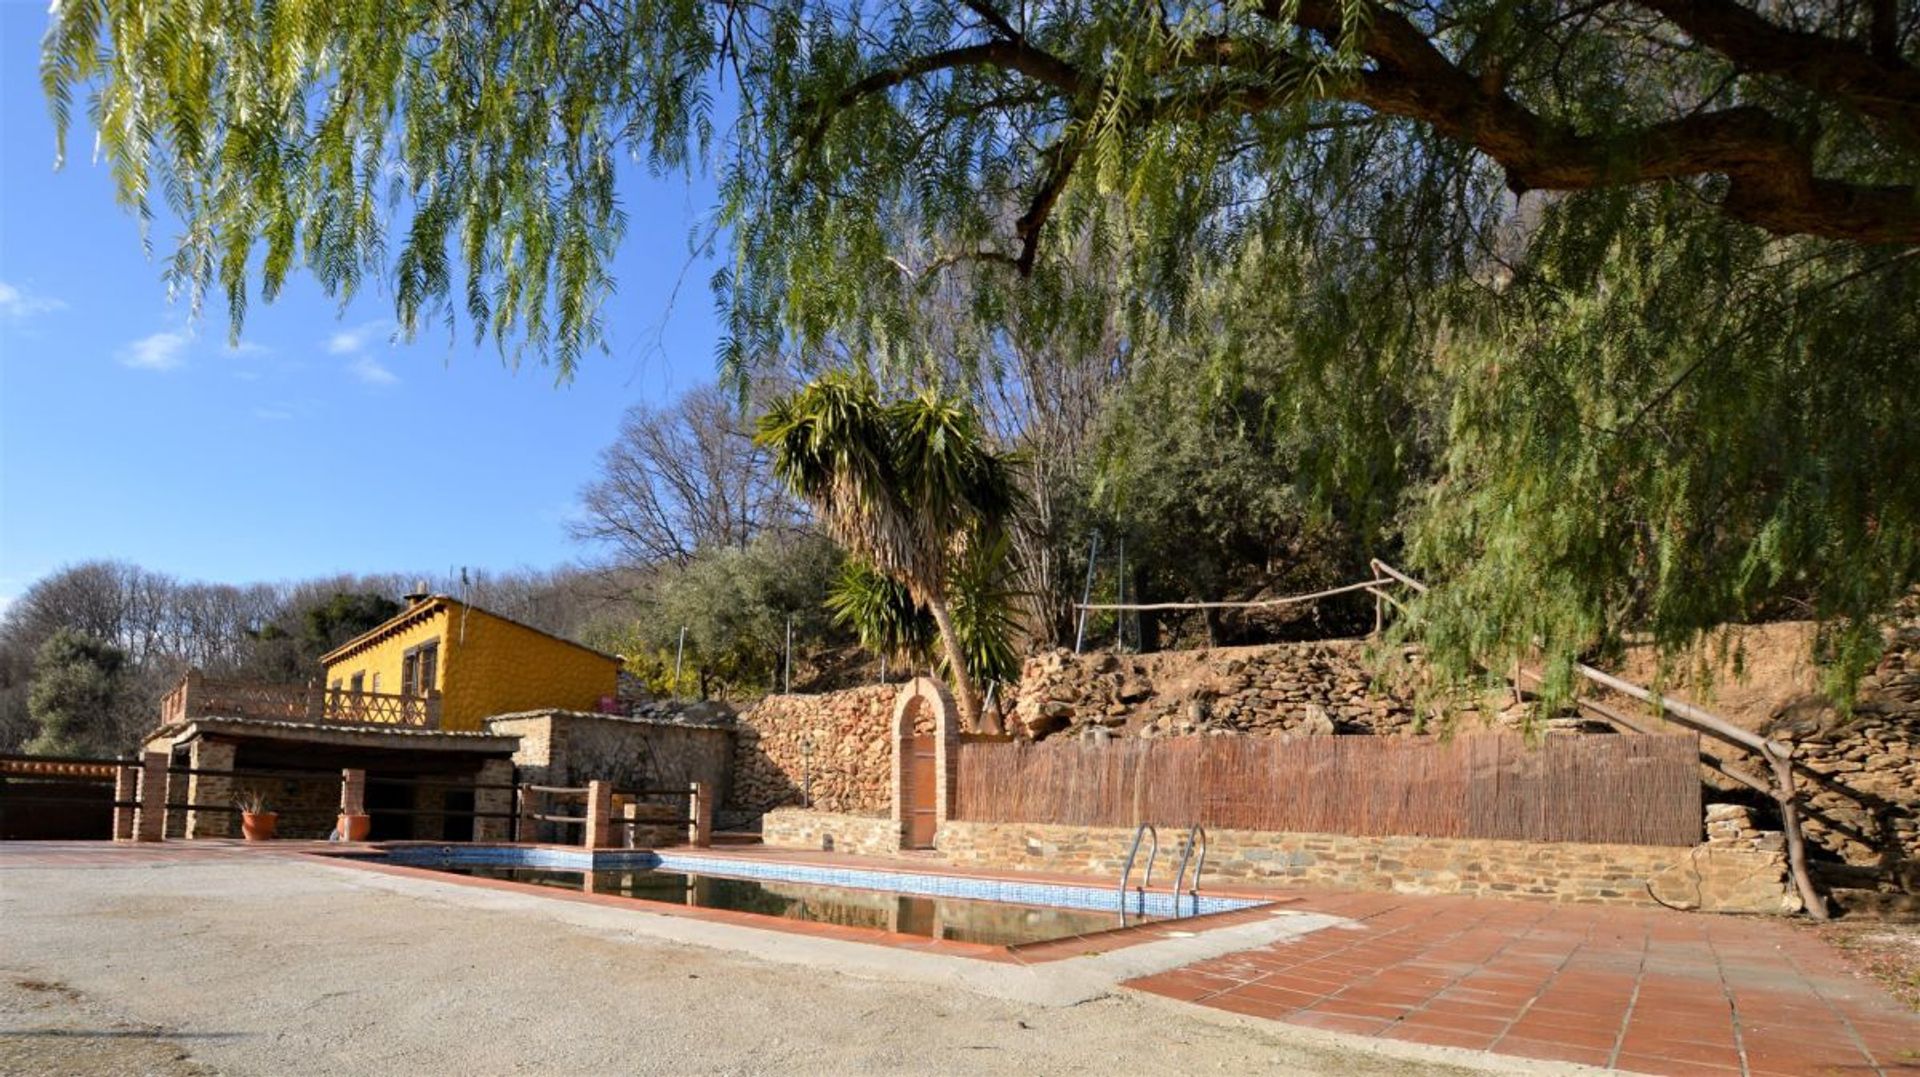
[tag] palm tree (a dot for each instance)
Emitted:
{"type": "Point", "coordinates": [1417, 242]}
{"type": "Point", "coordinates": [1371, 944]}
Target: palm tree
{"type": "Point", "coordinates": [888, 621]}
{"type": "Point", "coordinates": [905, 486]}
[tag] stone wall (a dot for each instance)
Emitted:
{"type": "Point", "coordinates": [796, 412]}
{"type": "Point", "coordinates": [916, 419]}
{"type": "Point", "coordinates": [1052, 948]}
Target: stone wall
{"type": "Point", "coordinates": [831, 752]}
{"type": "Point", "coordinates": [661, 746]}
{"type": "Point", "coordinates": [798, 828]}
{"type": "Point", "coordinates": [668, 749]}
{"type": "Point", "coordinates": [1719, 879]}
{"type": "Point", "coordinates": [1861, 773]}
{"type": "Point", "coordinates": [1288, 688]}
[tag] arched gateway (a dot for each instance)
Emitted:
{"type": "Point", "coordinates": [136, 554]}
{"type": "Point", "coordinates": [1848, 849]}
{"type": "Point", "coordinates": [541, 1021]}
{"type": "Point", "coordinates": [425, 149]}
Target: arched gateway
{"type": "Point", "coordinates": [926, 729]}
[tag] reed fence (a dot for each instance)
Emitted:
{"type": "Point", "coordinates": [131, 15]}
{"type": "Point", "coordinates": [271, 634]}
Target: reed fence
{"type": "Point", "coordinates": [1637, 790]}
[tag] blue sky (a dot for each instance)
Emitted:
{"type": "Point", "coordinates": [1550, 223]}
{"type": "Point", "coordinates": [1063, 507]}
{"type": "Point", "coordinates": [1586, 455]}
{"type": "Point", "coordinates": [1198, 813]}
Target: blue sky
{"type": "Point", "coordinates": [128, 431]}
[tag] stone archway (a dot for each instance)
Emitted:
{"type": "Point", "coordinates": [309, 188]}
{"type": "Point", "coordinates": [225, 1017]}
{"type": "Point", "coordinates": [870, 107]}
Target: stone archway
{"type": "Point", "coordinates": [926, 731]}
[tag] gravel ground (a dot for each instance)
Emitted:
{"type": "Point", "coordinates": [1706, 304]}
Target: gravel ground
{"type": "Point", "coordinates": [280, 967]}
{"type": "Point", "coordinates": [1886, 952]}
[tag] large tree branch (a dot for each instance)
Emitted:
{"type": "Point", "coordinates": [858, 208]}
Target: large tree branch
{"type": "Point", "coordinates": [1875, 80]}
{"type": "Point", "coordinates": [1769, 168]}
{"type": "Point", "coordinates": [1766, 161]}
{"type": "Point", "coordinates": [1012, 55]}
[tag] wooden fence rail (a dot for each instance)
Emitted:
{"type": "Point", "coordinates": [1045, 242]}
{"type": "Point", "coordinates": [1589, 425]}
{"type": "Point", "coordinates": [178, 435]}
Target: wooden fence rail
{"type": "Point", "coordinates": [1639, 790]}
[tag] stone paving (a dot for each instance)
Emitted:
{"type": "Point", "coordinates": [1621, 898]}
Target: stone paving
{"type": "Point", "coordinates": [1646, 991]}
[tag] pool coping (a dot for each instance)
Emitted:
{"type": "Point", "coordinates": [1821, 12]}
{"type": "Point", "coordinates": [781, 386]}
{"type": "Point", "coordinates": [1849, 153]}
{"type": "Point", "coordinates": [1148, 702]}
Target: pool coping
{"type": "Point", "coordinates": [1031, 953]}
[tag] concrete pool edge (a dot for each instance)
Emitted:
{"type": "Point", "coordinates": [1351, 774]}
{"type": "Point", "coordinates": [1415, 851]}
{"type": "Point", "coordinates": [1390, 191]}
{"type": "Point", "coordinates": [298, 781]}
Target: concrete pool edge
{"type": "Point", "coordinates": [1026, 954]}
{"type": "Point", "coordinates": [1050, 982]}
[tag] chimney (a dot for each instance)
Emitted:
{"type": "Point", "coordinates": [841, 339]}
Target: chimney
{"type": "Point", "coordinates": [419, 593]}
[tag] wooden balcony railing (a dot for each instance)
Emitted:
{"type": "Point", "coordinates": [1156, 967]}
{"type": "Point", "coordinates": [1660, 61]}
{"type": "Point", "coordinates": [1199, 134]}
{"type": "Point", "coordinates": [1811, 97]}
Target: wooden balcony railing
{"type": "Point", "coordinates": [197, 696]}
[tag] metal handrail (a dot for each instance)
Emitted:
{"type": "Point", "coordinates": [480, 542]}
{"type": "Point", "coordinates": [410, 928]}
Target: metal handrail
{"type": "Point", "coordinates": [1196, 835]}
{"type": "Point", "coordinates": [1153, 853]}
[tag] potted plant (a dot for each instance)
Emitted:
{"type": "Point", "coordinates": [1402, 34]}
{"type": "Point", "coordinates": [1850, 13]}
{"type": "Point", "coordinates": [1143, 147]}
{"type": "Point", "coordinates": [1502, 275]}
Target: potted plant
{"type": "Point", "coordinates": [258, 820]}
{"type": "Point", "coordinates": [353, 827]}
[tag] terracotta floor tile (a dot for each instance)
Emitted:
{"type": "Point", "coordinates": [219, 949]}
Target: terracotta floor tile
{"type": "Point", "coordinates": [1559, 1052]}
{"type": "Point", "coordinates": [1237, 1002]}
{"type": "Point", "coordinates": [1488, 1026]}
{"type": "Point", "coordinates": [1705, 1054]}
{"type": "Point", "coordinates": [1669, 1067]}
{"type": "Point", "coordinates": [1439, 1037]}
{"type": "Point", "coordinates": [1280, 996]}
{"type": "Point", "coordinates": [1340, 1022]}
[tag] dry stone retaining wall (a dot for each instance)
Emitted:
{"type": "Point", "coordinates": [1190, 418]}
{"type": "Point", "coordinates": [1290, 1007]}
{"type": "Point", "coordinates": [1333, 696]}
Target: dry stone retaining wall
{"type": "Point", "coordinates": [1861, 775]}
{"type": "Point", "coordinates": [1289, 688]}
{"type": "Point", "coordinates": [832, 752]}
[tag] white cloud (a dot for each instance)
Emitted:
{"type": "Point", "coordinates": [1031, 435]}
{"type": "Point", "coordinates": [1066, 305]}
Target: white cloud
{"type": "Point", "coordinates": [17, 304]}
{"type": "Point", "coordinates": [369, 370]}
{"type": "Point", "coordinates": [247, 348]}
{"type": "Point", "coordinates": [165, 350]}
{"type": "Point", "coordinates": [273, 415]}
{"type": "Point", "coordinates": [355, 340]}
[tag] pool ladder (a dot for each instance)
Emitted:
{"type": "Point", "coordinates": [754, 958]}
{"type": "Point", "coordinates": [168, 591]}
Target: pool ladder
{"type": "Point", "coordinates": [1153, 853]}
{"type": "Point", "coordinates": [1196, 838]}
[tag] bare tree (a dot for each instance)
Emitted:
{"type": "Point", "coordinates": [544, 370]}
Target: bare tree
{"type": "Point", "coordinates": [1042, 378]}
{"type": "Point", "coordinates": [681, 478]}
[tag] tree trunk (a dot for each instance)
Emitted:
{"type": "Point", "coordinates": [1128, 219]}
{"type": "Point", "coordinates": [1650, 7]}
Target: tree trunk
{"type": "Point", "coordinates": [963, 693]}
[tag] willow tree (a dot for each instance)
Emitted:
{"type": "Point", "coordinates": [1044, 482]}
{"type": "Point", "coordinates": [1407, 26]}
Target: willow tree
{"type": "Point", "coordinates": [908, 487]}
{"type": "Point", "coordinates": [1663, 248]}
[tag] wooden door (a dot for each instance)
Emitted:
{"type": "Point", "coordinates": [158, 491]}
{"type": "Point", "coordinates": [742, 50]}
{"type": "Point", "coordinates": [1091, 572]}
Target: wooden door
{"type": "Point", "coordinates": [919, 793]}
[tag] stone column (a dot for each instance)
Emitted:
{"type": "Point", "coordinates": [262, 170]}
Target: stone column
{"type": "Point", "coordinates": [700, 831]}
{"type": "Point", "coordinates": [527, 803]}
{"type": "Point", "coordinates": [492, 772]}
{"type": "Point", "coordinates": [353, 792]}
{"type": "Point", "coordinates": [150, 818]}
{"type": "Point", "coordinates": [599, 815]}
{"type": "Point", "coordinates": [429, 801]}
{"type": "Point", "coordinates": [946, 758]}
{"type": "Point", "coordinates": [627, 835]}
{"type": "Point", "coordinates": [211, 790]}
{"type": "Point", "coordinates": [126, 787]}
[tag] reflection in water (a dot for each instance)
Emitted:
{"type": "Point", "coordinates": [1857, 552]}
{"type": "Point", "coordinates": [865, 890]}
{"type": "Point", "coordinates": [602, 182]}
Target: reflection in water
{"type": "Point", "coordinates": [995, 923]}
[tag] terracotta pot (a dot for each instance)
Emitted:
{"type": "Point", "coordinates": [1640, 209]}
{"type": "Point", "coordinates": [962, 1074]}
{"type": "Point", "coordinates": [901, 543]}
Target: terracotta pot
{"type": "Point", "coordinates": [259, 826]}
{"type": "Point", "coordinates": [355, 827]}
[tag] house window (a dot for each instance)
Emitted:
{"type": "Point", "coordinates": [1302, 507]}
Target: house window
{"type": "Point", "coordinates": [418, 668]}
{"type": "Point", "coordinates": [359, 681]}
{"type": "Point", "coordinates": [335, 685]}
{"type": "Point", "coordinates": [376, 682]}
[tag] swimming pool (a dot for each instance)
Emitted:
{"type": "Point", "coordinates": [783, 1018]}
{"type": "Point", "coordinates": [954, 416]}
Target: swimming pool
{"type": "Point", "coordinates": [995, 912]}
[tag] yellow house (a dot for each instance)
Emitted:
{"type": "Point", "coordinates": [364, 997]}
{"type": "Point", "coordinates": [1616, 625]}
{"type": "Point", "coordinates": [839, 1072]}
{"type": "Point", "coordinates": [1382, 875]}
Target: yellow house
{"type": "Point", "coordinates": [480, 663]}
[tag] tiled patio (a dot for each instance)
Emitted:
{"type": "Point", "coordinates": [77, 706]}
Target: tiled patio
{"type": "Point", "coordinates": [1647, 991]}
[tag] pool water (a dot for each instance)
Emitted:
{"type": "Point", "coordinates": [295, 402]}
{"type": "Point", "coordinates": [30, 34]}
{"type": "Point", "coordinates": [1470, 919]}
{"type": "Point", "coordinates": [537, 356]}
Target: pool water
{"type": "Point", "coordinates": [994, 923]}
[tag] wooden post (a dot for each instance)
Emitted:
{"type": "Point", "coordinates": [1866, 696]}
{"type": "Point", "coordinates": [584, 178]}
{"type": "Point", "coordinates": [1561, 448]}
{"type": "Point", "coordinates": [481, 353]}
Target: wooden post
{"type": "Point", "coordinates": [431, 718]}
{"type": "Point", "coordinates": [700, 831]}
{"type": "Point", "coordinates": [150, 818]}
{"type": "Point", "coordinates": [126, 786]}
{"type": "Point", "coordinates": [599, 815]}
{"type": "Point", "coordinates": [1782, 763]}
